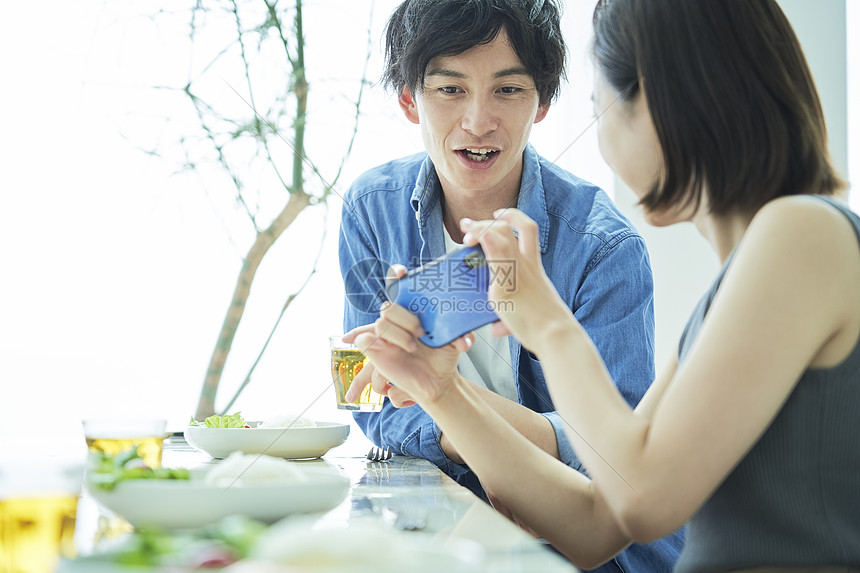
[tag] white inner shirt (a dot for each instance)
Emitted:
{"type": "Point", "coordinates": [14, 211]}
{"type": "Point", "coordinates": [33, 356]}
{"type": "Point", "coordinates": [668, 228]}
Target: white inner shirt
{"type": "Point", "coordinates": [488, 362]}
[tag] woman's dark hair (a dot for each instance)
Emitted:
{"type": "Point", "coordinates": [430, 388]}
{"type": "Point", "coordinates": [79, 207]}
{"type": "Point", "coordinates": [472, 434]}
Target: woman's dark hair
{"type": "Point", "coordinates": [420, 30]}
{"type": "Point", "coordinates": [731, 96]}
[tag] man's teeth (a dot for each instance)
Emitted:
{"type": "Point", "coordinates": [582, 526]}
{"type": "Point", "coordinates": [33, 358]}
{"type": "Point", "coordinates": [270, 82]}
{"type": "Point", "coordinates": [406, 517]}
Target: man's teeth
{"type": "Point", "coordinates": [478, 154]}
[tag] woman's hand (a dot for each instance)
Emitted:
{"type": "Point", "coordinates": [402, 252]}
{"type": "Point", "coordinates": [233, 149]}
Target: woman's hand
{"type": "Point", "coordinates": [370, 375]}
{"type": "Point", "coordinates": [399, 362]}
{"type": "Point", "coordinates": [525, 301]}
{"type": "Point", "coordinates": [421, 372]}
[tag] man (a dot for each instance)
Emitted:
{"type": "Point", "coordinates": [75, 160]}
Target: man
{"type": "Point", "coordinates": [475, 75]}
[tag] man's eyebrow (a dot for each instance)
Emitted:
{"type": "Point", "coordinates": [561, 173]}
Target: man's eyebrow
{"type": "Point", "coordinates": [515, 71]}
{"type": "Point", "coordinates": [445, 72]}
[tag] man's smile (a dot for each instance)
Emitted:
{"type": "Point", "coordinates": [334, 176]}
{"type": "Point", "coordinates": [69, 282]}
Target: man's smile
{"type": "Point", "coordinates": [477, 154]}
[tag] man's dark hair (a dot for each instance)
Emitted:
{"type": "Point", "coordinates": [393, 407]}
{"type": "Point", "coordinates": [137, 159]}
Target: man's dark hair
{"type": "Point", "coordinates": [420, 30]}
{"type": "Point", "coordinates": [731, 96]}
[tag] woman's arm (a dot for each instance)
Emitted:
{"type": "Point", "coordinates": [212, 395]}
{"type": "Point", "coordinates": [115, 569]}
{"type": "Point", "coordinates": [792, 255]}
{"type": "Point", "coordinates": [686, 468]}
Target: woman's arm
{"type": "Point", "coordinates": [551, 498]}
{"type": "Point", "coordinates": [554, 500]}
{"type": "Point", "coordinates": [653, 468]}
{"type": "Point", "coordinates": [780, 307]}
{"type": "Point", "coordinates": [535, 427]}
{"type": "Point", "coordinates": [649, 402]}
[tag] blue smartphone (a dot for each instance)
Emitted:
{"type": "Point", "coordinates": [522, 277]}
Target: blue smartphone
{"type": "Point", "coordinates": [448, 295]}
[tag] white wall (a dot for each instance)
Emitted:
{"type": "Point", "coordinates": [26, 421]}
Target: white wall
{"type": "Point", "coordinates": [822, 29]}
{"type": "Point", "coordinates": [684, 264]}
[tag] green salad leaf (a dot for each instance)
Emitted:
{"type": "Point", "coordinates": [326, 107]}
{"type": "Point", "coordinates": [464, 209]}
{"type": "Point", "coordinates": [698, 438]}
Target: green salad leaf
{"type": "Point", "coordinates": [108, 471]}
{"type": "Point", "coordinates": [213, 546]}
{"type": "Point", "coordinates": [232, 421]}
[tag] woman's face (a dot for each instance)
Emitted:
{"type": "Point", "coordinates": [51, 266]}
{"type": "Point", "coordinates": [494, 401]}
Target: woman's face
{"type": "Point", "coordinates": [628, 140]}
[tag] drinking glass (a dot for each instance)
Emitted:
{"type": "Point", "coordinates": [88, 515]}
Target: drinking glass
{"type": "Point", "coordinates": [116, 435]}
{"type": "Point", "coordinates": [38, 509]}
{"type": "Point", "coordinates": [346, 362]}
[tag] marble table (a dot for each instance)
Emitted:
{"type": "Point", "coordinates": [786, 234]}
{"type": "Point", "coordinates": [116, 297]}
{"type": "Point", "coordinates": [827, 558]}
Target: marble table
{"type": "Point", "coordinates": [386, 491]}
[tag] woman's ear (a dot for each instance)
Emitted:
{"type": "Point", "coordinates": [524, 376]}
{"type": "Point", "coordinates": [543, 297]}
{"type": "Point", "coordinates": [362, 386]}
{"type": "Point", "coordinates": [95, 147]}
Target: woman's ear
{"type": "Point", "coordinates": [407, 104]}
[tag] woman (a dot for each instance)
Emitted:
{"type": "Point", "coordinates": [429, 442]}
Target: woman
{"type": "Point", "coordinates": [708, 111]}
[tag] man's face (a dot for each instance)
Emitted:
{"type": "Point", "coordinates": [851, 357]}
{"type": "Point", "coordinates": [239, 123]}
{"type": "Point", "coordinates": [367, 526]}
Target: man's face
{"type": "Point", "coordinates": [476, 113]}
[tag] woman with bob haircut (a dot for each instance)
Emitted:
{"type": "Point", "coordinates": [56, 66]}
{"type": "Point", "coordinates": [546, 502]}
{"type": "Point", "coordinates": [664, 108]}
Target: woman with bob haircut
{"type": "Point", "coordinates": [708, 111]}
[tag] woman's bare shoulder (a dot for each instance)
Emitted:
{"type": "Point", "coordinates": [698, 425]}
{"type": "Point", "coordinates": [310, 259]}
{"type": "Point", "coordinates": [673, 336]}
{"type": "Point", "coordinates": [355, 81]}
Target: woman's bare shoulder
{"type": "Point", "coordinates": [805, 252]}
{"type": "Point", "coordinates": [802, 226]}
{"type": "Point", "coordinates": [796, 212]}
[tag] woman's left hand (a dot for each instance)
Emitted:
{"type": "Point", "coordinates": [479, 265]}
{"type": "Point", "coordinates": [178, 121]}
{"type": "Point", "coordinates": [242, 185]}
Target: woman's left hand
{"type": "Point", "coordinates": [370, 375]}
{"type": "Point", "coordinates": [421, 372]}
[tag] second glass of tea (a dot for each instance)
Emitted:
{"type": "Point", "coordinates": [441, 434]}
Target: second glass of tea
{"type": "Point", "coordinates": [114, 436]}
{"type": "Point", "coordinates": [346, 362]}
{"type": "Point", "coordinates": [38, 510]}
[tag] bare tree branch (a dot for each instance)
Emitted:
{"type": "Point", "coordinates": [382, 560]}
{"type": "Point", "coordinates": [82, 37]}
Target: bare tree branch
{"type": "Point", "coordinates": [261, 129]}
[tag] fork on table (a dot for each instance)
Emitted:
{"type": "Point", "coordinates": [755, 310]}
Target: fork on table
{"type": "Point", "coordinates": [379, 454]}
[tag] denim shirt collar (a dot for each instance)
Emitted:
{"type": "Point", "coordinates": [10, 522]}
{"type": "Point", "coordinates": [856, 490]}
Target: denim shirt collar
{"type": "Point", "coordinates": [532, 200]}
{"type": "Point", "coordinates": [427, 194]}
{"type": "Point", "coordinates": [426, 201]}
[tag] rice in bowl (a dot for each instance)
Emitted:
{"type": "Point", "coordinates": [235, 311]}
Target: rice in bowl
{"type": "Point", "coordinates": [242, 469]}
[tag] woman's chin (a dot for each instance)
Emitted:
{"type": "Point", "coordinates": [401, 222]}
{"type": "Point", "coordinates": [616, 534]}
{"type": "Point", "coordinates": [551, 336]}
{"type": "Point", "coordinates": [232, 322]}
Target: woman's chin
{"type": "Point", "coordinates": [659, 218]}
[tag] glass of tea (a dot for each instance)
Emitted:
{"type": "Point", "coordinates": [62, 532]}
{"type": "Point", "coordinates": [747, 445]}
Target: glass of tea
{"type": "Point", "coordinates": [38, 509]}
{"type": "Point", "coordinates": [346, 362]}
{"type": "Point", "coordinates": [113, 436]}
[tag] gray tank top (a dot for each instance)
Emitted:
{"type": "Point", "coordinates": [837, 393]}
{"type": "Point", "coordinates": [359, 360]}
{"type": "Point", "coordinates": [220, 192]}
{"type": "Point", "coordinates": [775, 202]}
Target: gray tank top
{"type": "Point", "coordinates": [794, 500]}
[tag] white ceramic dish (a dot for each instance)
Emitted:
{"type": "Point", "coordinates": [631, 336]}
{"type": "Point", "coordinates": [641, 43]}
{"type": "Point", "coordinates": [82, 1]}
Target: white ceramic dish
{"type": "Point", "coordinates": [173, 504]}
{"type": "Point", "coordinates": [309, 546]}
{"type": "Point", "coordinates": [293, 443]}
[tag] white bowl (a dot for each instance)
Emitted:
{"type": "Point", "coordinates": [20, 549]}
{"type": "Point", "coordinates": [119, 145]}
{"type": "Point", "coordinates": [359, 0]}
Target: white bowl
{"type": "Point", "coordinates": [323, 548]}
{"type": "Point", "coordinates": [294, 443]}
{"type": "Point", "coordinates": [172, 504]}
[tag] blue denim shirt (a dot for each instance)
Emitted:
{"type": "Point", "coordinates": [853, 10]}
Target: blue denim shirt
{"type": "Point", "coordinates": [594, 256]}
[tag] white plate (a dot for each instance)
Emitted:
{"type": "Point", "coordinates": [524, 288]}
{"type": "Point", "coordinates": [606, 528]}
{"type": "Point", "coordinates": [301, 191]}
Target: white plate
{"type": "Point", "coordinates": [175, 504]}
{"type": "Point", "coordinates": [363, 547]}
{"type": "Point", "coordinates": [294, 443]}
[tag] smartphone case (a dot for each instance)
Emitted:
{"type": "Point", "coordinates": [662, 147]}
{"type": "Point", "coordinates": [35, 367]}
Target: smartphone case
{"type": "Point", "coordinates": [448, 295]}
